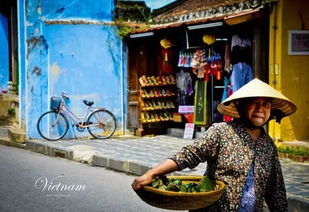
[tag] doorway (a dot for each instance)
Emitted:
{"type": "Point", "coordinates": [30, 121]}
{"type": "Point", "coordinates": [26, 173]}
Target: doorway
{"type": "Point", "coordinates": [9, 39]}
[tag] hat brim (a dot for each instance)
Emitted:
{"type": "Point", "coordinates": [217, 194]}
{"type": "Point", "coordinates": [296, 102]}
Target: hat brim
{"type": "Point", "coordinates": [257, 88]}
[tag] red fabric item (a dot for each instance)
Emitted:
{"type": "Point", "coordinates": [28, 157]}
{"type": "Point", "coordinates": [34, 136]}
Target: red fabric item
{"type": "Point", "coordinates": [189, 117]}
{"type": "Point", "coordinates": [227, 118]}
{"type": "Point", "coordinates": [165, 61]}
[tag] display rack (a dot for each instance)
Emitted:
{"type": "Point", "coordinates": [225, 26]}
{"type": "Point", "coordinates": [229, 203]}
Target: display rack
{"type": "Point", "coordinates": [156, 102]}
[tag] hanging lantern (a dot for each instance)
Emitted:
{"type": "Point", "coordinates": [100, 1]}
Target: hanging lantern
{"type": "Point", "coordinates": [165, 43]}
{"type": "Point", "coordinates": [209, 39]}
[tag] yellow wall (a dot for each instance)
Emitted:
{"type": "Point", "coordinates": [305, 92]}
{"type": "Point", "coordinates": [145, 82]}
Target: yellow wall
{"type": "Point", "coordinates": [291, 72]}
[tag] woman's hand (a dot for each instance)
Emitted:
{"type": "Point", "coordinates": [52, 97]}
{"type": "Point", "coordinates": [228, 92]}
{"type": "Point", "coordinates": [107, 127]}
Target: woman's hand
{"type": "Point", "coordinates": [141, 181]}
{"type": "Point", "coordinates": [165, 167]}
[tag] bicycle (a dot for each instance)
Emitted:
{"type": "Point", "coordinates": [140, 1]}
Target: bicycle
{"type": "Point", "coordinates": [53, 125]}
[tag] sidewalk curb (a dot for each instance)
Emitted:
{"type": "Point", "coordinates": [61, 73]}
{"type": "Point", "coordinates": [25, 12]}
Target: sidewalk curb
{"type": "Point", "coordinates": [6, 141]}
{"type": "Point", "coordinates": [130, 167]}
{"type": "Point", "coordinates": [40, 147]}
{"type": "Point", "coordinates": [118, 165]}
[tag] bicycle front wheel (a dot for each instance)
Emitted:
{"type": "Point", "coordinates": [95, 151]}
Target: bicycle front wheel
{"type": "Point", "coordinates": [52, 125]}
{"type": "Point", "coordinates": [101, 124]}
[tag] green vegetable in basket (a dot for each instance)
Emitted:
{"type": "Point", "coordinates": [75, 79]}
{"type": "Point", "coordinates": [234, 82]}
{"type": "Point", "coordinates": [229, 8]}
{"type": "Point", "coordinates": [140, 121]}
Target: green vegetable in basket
{"type": "Point", "coordinates": [206, 184]}
{"type": "Point", "coordinates": [188, 187]}
{"type": "Point", "coordinates": [174, 185]}
{"type": "Point", "coordinates": [160, 182]}
{"type": "Point", "coordinates": [163, 183]}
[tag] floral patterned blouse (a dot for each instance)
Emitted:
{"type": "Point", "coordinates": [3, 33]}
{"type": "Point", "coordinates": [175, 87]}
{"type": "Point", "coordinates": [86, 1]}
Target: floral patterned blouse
{"type": "Point", "coordinates": [230, 152]}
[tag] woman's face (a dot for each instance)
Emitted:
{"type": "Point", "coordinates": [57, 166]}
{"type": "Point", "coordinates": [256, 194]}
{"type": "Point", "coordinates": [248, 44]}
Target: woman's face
{"type": "Point", "coordinates": [257, 110]}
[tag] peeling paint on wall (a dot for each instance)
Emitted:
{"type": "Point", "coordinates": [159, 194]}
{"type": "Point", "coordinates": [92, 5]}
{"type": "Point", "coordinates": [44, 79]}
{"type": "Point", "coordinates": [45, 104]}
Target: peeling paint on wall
{"type": "Point", "coordinates": [60, 10]}
{"type": "Point", "coordinates": [39, 10]}
{"type": "Point", "coordinates": [71, 46]}
{"type": "Point", "coordinates": [55, 71]}
{"type": "Point", "coordinates": [95, 10]}
{"type": "Point", "coordinates": [35, 42]}
{"type": "Point", "coordinates": [112, 44]}
{"type": "Point", "coordinates": [79, 21]}
{"type": "Point", "coordinates": [37, 71]}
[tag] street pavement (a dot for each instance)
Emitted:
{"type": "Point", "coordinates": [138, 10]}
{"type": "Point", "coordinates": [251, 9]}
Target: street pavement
{"type": "Point", "coordinates": [135, 155]}
{"type": "Point", "coordinates": [32, 182]}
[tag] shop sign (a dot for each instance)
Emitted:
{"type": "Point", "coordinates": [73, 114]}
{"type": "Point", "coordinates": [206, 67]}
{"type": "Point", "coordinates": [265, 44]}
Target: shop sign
{"type": "Point", "coordinates": [189, 130]}
{"type": "Point", "coordinates": [186, 109]}
{"type": "Point", "coordinates": [200, 102]}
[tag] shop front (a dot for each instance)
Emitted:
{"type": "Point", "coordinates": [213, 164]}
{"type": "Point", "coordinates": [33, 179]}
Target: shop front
{"type": "Point", "coordinates": [178, 72]}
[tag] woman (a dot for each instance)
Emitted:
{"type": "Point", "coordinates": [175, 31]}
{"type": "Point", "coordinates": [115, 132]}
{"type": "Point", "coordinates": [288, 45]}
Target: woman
{"type": "Point", "coordinates": [239, 153]}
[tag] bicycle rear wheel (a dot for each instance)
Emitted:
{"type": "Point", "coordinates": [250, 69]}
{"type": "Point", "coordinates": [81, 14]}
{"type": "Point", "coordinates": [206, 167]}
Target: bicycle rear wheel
{"type": "Point", "coordinates": [102, 124]}
{"type": "Point", "coordinates": [52, 125]}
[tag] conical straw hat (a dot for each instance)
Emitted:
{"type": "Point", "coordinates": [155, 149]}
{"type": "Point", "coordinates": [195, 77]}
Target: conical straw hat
{"type": "Point", "coordinates": [257, 88]}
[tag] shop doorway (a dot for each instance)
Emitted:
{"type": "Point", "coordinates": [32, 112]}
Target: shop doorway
{"type": "Point", "coordinates": [143, 59]}
{"type": "Point", "coordinates": [140, 62]}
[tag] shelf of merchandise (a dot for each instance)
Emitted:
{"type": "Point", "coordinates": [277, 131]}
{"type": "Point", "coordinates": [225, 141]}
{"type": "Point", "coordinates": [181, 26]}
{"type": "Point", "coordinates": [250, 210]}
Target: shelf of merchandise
{"type": "Point", "coordinates": [156, 103]}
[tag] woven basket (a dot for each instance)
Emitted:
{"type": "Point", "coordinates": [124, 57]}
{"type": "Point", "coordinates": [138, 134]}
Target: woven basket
{"type": "Point", "coordinates": [181, 200]}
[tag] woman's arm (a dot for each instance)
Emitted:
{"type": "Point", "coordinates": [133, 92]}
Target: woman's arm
{"type": "Point", "coordinates": [190, 156]}
{"type": "Point", "coordinates": [165, 167]}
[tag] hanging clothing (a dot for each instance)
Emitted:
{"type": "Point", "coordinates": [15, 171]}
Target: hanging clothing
{"type": "Point", "coordinates": [227, 58]}
{"type": "Point", "coordinates": [226, 93]}
{"type": "Point", "coordinates": [185, 59]}
{"type": "Point", "coordinates": [241, 74]}
{"type": "Point", "coordinates": [237, 41]}
{"type": "Point", "coordinates": [184, 85]}
{"type": "Point", "coordinates": [241, 50]}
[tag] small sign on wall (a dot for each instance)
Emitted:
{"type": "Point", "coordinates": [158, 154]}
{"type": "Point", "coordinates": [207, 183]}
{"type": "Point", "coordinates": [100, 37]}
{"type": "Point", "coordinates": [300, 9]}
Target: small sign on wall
{"type": "Point", "coordinates": [298, 42]}
{"type": "Point", "coordinates": [189, 131]}
{"type": "Point", "coordinates": [186, 109]}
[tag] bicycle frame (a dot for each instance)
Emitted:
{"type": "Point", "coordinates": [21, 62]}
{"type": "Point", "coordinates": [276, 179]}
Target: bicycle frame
{"type": "Point", "coordinates": [78, 120]}
{"type": "Point", "coordinates": [54, 124]}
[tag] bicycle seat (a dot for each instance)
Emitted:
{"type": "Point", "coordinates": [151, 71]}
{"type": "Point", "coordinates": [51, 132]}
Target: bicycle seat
{"type": "Point", "coordinates": [88, 103]}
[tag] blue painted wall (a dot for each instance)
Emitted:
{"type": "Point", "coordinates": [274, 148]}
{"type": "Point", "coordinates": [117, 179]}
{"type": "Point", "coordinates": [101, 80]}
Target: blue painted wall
{"type": "Point", "coordinates": [82, 9]}
{"type": "Point", "coordinates": [4, 53]}
{"type": "Point", "coordinates": [86, 59]}
{"type": "Point", "coordinates": [21, 61]}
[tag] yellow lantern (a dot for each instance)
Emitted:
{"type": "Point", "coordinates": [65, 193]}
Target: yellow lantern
{"type": "Point", "coordinates": [209, 39]}
{"type": "Point", "coordinates": [165, 43]}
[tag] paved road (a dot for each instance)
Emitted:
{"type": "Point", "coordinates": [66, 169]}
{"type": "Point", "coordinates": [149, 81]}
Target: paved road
{"type": "Point", "coordinates": [136, 155]}
{"type": "Point", "coordinates": [30, 182]}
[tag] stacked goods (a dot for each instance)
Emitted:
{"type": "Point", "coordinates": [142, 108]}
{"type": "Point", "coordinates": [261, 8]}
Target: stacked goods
{"type": "Point", "coordinates": [157, 80]}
